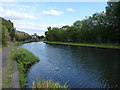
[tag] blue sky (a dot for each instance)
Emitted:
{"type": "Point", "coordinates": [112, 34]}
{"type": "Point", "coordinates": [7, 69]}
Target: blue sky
{"type": "Point", "coordinates": [35, 17]}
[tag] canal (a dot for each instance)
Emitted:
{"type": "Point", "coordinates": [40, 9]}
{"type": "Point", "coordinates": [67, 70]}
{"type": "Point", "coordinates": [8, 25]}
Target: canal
{"type": "Point", "coordinates": [78, 67]}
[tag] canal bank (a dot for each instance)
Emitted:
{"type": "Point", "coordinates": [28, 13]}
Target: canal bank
{"type": "Point", "coordinates": [102, 46]}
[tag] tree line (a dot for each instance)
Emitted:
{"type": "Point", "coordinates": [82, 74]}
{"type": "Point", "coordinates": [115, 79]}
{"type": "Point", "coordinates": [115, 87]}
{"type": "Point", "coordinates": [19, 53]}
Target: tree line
{"type": "Point", "coordinates": [99, 28]}
{"type": "Point", "coordinates": [9, 33]}
{"type": "Point", "coordinates": [7, 29]}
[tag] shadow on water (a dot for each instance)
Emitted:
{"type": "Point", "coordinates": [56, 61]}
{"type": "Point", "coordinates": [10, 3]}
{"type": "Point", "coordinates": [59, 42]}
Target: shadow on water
{"type": "Point", "coordinates": [79, 67]}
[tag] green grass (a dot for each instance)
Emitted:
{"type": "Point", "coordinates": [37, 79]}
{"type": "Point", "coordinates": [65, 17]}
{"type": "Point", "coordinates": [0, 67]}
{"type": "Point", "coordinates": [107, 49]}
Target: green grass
{"type": "Point", "coordinates": [25, 60]}
{"type": "Point", "coordinates": [48, 84]}
{"type": "Point", "coordinates": [115, 46]}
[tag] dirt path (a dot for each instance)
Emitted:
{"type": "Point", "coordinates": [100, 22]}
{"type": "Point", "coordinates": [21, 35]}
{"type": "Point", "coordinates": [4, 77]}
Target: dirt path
{"type": "Point", "coordinates": [15, 76]}
{"type": "Point", "coordinates": [5, 53]}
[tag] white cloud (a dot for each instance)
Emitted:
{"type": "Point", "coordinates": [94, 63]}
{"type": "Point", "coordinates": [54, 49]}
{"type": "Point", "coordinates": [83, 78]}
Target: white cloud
{"type": "Point", "coordinates": [69, 9]}
{"type": "Point", "coordinates": [24, 8]}
{"type": "Point", "coordinates": [14, 15]}
{"type": "Point", "coordinates": [32, 28]}
{"type": "Point", "coordinates": [52, 12]}
{"type": "Point", "coordinates": [7, 0]}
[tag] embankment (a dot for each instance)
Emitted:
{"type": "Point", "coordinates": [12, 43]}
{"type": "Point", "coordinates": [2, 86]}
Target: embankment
{"type": "Point", "coordinates": [103, 46]}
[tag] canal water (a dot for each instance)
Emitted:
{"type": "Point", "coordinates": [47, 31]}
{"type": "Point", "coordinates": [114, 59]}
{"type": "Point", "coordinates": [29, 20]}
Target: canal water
{"type": "Point", "coordinates": [78, 67]}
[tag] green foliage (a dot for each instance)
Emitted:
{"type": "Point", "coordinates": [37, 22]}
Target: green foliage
{"type": "Point", "coordinates": [48, 84]}
{"type": "Point", "coordinates": [8, 29]}
{"type": "Point", "coordinates": [5, 35]}
{"type": "Point", "coordinates": [22, 38]}
{"type": "Point", "coordinates": [113, 21]}
{"type": "Point", "coordinates": [41, 37]}
{"type": "Point", "coordinates": [25, 60]}
{"type": "Point", "coordinates": [9, 25]}
{"type": "Point", "coordinates": [98, 28]}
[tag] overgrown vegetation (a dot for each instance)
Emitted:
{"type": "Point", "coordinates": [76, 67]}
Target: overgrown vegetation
{"type": "Point", "coordinates": [9, 26]}
{"type": "Point", "coordinates": [48, 84]}
{"type": "Point", "coordinates": [99, 28]}
{"type": "Point", "coordinates": [25, 60]}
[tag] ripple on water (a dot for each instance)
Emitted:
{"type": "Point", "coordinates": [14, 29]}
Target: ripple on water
{"type": "Point", "coordinates": [79, 67]}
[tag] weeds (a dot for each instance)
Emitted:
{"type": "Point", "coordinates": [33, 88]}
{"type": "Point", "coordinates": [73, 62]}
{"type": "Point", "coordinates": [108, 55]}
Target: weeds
{"type": "Point", "coordinates": [48, 84]}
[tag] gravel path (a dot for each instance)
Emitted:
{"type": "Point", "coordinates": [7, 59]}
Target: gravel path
{"type": "Point", "coordinates": [5, 54]}
{"type": "Point", "coordinates": [15, 75]}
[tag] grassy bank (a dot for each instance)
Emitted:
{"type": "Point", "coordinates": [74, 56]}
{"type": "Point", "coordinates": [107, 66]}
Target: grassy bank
{"type": "Point", "coordinates": [18, 42]}
{"type": "Point", "coordinates": [25, 60]}
{"type": "Point", "coordinates": [109, 46]}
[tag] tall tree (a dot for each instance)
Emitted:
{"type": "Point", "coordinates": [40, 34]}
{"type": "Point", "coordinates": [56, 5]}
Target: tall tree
{"type": "Point", "coordinates": [5, 35]}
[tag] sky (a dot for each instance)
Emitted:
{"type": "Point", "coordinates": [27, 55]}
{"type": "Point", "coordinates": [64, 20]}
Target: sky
{"type": "Point", "coordinates": [35, 17]}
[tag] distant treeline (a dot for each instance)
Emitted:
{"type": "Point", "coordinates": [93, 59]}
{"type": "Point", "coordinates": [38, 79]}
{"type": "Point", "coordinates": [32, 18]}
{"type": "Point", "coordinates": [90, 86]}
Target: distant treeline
{"type": "Point", "coordinates": [99, 28]}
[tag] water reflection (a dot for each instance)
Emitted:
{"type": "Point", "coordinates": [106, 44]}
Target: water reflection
{"type": "Point", "coordinates": [76, 66]}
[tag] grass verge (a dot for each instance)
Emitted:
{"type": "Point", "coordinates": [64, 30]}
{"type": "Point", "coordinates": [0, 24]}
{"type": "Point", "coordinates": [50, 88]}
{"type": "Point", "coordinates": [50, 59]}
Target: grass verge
{"type": "Point", "coordinates": [25, 60]}
{"type": "Point", "coordinates": [109, 46]}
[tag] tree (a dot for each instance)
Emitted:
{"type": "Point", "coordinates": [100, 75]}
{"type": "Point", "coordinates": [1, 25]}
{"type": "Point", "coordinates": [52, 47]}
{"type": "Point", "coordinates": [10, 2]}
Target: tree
{"type": "Point", "coordinates": [10, 27]}
{"type": "Point", "coordinates": [5, 35]}
{"type": "Point", "coordinates": [49, 28]}
{"type": "Point", "coordinates": [41, 37]}
{"type": "Point", "coordinates": [113, 20]}
{"type": "Point", "coordinates": [99, 28]}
